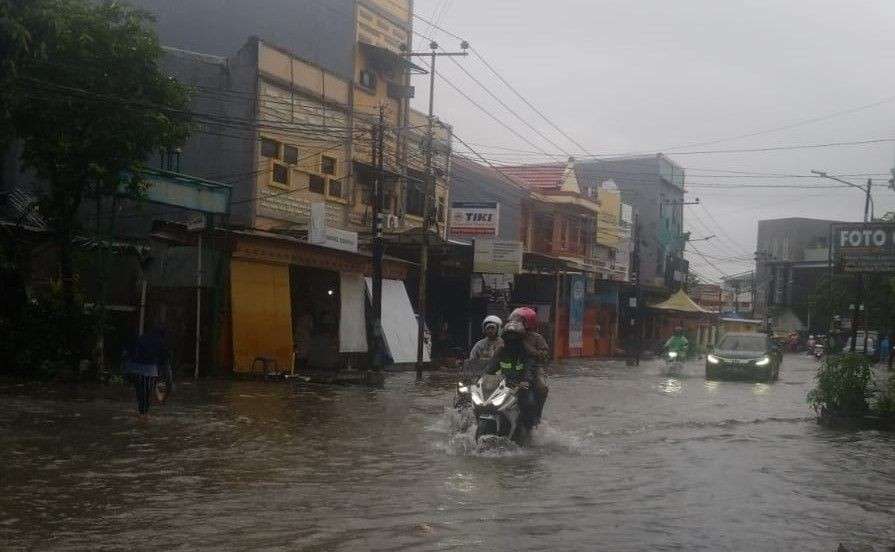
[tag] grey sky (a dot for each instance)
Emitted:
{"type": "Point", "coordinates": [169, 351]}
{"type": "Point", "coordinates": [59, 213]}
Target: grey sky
{"type": "Point", "coordinates": [660, 76]}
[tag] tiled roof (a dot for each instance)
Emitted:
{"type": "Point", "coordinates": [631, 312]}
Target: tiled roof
{"type": "Point", "coordinates": [538, 177]}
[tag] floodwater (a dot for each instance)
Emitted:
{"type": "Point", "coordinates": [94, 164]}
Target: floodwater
{"type": "Point", "coordinates": [627, 459]}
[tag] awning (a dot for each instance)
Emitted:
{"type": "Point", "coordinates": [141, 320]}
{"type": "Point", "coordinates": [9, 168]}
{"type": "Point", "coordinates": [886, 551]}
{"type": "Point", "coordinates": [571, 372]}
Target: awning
{"type": "Point", "coordinates": [681, 302]}
{"type": "Point", "coordinates": [383, 58]}
{"type": "Point", "coordinates": [399, 322]}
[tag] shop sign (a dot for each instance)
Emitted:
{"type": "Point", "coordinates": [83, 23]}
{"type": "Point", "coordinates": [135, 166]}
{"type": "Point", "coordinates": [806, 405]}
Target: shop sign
{"type": "Point", "coordinates": [576, 311]}
{"type": "Point", "coordinates": [319, 233]}
{"type": "Point", "coordinates": [474, 219]}
{"type": "Point", "coordinates": [497, 257]}
{"type": "Point", "coordinates": [864, 247]}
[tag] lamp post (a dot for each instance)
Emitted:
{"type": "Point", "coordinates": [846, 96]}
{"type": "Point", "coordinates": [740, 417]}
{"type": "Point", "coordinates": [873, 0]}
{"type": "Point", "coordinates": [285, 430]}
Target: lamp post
{"type": "Point", "coordinates": [869, 207]}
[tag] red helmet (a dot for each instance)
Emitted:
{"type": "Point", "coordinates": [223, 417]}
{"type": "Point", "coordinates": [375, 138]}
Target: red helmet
{"type": "Point", "coordinates": [527, 316]}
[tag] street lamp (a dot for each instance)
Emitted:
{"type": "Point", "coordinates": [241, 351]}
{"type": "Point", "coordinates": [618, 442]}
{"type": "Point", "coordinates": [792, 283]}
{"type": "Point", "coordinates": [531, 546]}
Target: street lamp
{"type": "Point", "coordinates": [868, 202]}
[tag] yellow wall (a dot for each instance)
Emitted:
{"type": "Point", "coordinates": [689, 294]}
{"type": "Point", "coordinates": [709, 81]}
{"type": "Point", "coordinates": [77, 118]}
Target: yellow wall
{"type": "Point", "coordinates": [261, 313]}
{"type": "Point", "coordinates": [608, 218]}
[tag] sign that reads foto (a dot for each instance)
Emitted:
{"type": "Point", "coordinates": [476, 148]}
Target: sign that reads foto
{"type": "Point", "coordinates": [474, 220]}
{"type": "Point", "coordinates": [864, 247]}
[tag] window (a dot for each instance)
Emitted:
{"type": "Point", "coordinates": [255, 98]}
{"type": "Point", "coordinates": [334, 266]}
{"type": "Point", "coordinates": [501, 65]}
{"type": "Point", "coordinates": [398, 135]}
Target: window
{"type": "Point", "coordinates": [328, 165]}
{"type": "Point", "coordinates": [281, 174]}
{"type": "Point", "coordinates": [335, 187]}
{"type": "Point", "coordinates": [367, 79]}
{"type": "Point", "coordinates": [270, 148]}
{"type": "Point", "coordinates": [290, 154]}
{"type": "Point", "coordinates": [414, 201]}
{"type": "Point", "coordinates": [317, 184]}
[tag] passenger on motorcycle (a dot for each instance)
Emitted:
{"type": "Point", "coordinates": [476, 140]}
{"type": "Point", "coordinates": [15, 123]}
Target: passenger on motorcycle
{"type": "Point", "coordinates": [677, 343]}
{"type": "Point", "coordinates": [519, 369]}
{"type": "Point", "coordinates": [485, 348]}
{"type": "Point", "coordinates": [536, 346]}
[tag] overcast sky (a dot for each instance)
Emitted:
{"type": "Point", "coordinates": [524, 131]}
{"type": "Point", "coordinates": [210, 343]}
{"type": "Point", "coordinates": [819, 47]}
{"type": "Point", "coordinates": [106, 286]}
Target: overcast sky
{"type": "Point", "coordinates": [687, 76]}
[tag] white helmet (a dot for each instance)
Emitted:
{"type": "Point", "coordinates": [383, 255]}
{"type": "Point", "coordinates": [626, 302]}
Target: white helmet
{"type": "Point", "coordinates": [492, 320]}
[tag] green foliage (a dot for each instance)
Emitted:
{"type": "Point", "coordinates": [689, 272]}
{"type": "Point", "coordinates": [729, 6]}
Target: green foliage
{"type": "Point", "coordinates": [31, 346]}
{"type": "Point", "coordinates": [84, 96]}
{"type": "Point", "coordinates": [844, 383]}
{"type": "Point", "coordinates": [885, 405]}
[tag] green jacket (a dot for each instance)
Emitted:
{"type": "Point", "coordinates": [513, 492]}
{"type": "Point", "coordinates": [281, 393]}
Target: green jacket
{"type": "Point", "coordinates": [677, 343]}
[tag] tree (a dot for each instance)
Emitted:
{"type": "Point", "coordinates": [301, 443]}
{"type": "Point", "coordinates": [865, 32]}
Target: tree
{"type": "Point", "coordinates": [88, 104]}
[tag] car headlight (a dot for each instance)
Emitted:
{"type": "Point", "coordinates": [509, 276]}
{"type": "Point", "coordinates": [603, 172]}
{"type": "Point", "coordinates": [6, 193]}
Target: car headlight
{"type": "Point", "coordinates": [763, 362]}
{"type": "Point", "coordinates": [713, 359]}
{"type": "Point", "coordinates": [672, 354]}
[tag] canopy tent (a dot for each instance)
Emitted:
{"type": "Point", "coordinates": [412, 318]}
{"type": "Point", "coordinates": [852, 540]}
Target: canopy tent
{"type": "Point", "coordinates": [682, 303]}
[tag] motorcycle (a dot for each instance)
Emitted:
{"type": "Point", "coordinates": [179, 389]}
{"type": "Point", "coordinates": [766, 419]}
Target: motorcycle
{"type": "Point", "coordinates": [818, 352]}
{"type": "Point", "coordinates": [496, 409]}
{"type": "Point", "coordinates": [674, 360]}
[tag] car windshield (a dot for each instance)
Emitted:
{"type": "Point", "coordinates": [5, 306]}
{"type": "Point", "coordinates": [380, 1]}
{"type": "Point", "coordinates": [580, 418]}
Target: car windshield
{"type": "Point", "coordinates": [742, 343]}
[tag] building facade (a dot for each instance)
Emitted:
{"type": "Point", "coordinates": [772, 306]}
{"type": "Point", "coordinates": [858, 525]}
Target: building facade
{"type": "Point", "coordinates": [792, 257]}
{"type": "Point", "coordinates": [654, 187]}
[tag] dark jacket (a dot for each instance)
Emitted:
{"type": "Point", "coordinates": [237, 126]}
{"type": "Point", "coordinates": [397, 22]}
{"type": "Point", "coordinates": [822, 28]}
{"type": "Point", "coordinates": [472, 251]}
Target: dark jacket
{"type": "Point", "coordinates": [516, 366]}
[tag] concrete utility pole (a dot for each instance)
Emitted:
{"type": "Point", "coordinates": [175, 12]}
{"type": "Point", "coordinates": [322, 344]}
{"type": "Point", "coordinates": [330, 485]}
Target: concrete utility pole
{"type": "Point", "coordinates": [859, 294]}
{"type": "Point", "coordinates": [637, 325]}
{"type": "Point", "coordinates": [378, 196]}
{"type": "Point", "coordinates": [428, 193]}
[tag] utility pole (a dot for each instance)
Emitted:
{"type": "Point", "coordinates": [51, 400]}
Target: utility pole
{"type": "Point", "coordinates": [378, 196]}
{"type": "Point", "coordinates": [428, 194]}
{"type": "Point", "coordinates": [637, 325]}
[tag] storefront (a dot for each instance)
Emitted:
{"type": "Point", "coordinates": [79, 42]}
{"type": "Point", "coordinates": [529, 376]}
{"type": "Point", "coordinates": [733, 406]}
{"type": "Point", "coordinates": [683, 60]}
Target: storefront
{"type": "Point", "coordinates": [297, 304]}
{"type": "Point", "coordinates": [679, 310]}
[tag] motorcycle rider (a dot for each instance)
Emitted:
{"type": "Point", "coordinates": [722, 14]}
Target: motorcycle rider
{"type": "Point", "coordinates": [678, 343]}
{"type": "Point", "coordinates": [515, 363]}
{"type": "Point", "coordinates": [485, 348]}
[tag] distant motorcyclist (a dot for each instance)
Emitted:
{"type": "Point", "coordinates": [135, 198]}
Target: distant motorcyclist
{"type": "Point", "coordinates": [518, 367]}
{"type": "Point", "coordinates": [485, 348]}
{"type": "Point", "coordinates": [678, 343]}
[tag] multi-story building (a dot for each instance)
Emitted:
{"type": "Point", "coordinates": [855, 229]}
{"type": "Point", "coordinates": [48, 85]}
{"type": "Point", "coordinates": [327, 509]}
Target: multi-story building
{"type": "Point", "coordinates": [792, 256]}
{"type": "Point", "coordinates": [739, 293]}
{"type": "Point", "coordinates": [708, 296]}
{"type": "Point", "coordinates": [654, 186]}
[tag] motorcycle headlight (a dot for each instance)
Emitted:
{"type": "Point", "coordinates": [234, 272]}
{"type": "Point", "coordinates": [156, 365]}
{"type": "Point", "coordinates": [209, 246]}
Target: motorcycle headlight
{"type": "Point", "coordinates": [763, 362]}
{"type": "Point", "coordinates": [499, 399]}
{"type": "Point", "coordinates": [672, 354]}
{"type": "Point", "coordinates": [477, 398]}
{"type": "Point", "coordinates": [713, 359]}
{"type": "Point", "coordinates": [461, 388]}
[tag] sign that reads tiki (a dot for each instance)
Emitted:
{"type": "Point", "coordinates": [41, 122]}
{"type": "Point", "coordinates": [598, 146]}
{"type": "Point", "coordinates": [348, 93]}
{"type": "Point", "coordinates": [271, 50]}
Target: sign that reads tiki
{"type": "Point", "coordinates": [864, 247]}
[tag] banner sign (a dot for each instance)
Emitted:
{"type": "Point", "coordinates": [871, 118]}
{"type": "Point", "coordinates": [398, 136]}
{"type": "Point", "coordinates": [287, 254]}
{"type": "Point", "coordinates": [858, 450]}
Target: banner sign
{"type": "Point", "coordinates": [576, 311]}
{"type": "Point", "coordinates": [319, 233]}
{"type": "Point", "coordinates": [497, 257]}
{"type": "Point", "coordinates": [474, 220]}
{"type": "Point", "coordinates": [864, 247]}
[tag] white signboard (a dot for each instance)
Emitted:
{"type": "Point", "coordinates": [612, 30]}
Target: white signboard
{"type": "Point", "coordinates": [474, 220]}
{"type": "Point", "coordinates": [334, 238]}
{"type": "Point", "coordinates": [497, 257]}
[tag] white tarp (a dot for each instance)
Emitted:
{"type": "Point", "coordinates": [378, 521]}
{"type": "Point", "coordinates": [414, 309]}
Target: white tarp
{"type": "Point", "coordinates": [353, 323]}
{"type": "Point", "coordinates": [399, 322]}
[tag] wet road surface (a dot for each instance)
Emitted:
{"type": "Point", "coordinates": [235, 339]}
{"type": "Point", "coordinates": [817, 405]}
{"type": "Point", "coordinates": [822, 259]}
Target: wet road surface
{"type": "Point", "coordinates": [627, 459]}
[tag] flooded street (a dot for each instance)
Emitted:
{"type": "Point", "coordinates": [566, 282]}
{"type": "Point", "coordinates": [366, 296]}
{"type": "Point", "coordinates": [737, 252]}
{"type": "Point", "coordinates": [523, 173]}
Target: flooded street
{"type": "Point", "coordinates": [628, 459]}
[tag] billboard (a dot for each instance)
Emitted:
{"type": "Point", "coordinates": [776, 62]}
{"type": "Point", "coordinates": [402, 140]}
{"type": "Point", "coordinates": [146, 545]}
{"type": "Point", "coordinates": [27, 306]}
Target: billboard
{"type": "Point", "coordinates": [864, 247]}
{"type": "Point", "coordinates": [497, 257]}
{"type": "Point", "coordinates": [474, 219]}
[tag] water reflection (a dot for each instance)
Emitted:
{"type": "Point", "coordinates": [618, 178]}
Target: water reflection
{"type": "Point", "coordinates": [623, 461]}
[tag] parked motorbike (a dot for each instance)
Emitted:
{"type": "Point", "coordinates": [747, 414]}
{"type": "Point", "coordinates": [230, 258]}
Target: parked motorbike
{"type": "Point", "coordinates": [497, 410]}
